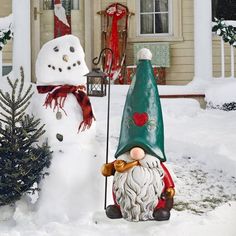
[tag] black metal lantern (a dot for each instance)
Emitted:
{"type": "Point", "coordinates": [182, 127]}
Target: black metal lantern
{"type": "Point", "coordinates": [97, 80]}
{"type": "Point", "coordinates": [96, 83]}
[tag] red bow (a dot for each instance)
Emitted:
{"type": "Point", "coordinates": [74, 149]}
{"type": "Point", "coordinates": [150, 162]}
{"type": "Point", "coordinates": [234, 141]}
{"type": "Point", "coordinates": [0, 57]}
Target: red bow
{"type": "Point", "coordinates": [58, 95]}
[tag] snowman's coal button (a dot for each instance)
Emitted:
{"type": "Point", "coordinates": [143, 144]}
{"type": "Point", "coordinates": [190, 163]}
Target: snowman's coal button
{"type": "Point", "coordinates": [59, 137]}
{"type": "Point", "coordinates": [74, 64]}
{"type": "Point", "coordinates": [49, 66]}
{"type": "Point", "coordinates": [53, 67]}
{"type": "Point", "coordinates": [58, 115]}
{"type": "Point", "coordinates": [68, 68]}
{"type": "Point", "coordinates": [60, 69]}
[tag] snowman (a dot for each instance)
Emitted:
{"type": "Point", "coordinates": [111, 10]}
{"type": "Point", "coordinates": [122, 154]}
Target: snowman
{"type": "Point", "coordinates": [64, 107]}
{"type": "Point", "coordinates": [62, 102]}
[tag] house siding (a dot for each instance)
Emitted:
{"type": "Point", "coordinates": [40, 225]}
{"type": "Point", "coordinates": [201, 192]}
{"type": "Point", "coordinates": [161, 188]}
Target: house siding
{"type": "Point", "coordinates": [5, 10]}
{"type": "Point", "coordinates": [181, 70]}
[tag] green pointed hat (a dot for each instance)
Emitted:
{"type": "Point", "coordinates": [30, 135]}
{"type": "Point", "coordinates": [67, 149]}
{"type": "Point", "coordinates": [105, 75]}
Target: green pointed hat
{"type": "Point", "coordinates": [142, 123]}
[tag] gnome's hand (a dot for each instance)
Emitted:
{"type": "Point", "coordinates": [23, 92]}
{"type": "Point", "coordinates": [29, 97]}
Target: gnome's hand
{"type": "Point", "coordinates": [108, 169]}
{"type": "Point", "coordinates": [170, 192]}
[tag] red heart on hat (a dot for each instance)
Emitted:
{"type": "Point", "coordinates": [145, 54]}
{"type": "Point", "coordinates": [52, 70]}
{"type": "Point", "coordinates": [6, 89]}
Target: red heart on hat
{"type": "Point", "coordinates": [140, 119]}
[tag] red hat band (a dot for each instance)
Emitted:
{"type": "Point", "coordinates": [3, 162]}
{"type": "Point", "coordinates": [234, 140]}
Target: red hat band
{"type": "Point", "coordinates": [57, 2]}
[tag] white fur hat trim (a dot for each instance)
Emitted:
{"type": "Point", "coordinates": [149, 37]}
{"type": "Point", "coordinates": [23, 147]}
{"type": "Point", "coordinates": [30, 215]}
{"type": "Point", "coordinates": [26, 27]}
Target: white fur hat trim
{"type": "Point", "coordinates": [144, 54]}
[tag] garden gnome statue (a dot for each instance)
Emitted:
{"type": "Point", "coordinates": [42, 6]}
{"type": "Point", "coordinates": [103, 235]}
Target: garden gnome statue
{"type": "Point", "coordinates": [142, 187]}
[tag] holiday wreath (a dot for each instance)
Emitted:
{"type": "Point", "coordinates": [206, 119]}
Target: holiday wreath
{"type": "Point", "coordinates": [6, 30]}
{"type": "Point", "coordinates": [227, 32]}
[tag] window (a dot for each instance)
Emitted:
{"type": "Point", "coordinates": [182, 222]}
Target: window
{"type": "Point", "coordinates": [224, 9]}
{"type": "Point", "coordinates": [155, 20]}
{"type": "Point", "coordinates": [67, 4]}
{"type": "Point", "coordinates": [47, 5]}
{"type": "Point", "coordinates": [154, 17]}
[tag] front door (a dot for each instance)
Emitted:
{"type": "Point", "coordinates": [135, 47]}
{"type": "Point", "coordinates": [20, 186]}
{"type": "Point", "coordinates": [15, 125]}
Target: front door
{"type": "Point", "coordinates": [42, 24]}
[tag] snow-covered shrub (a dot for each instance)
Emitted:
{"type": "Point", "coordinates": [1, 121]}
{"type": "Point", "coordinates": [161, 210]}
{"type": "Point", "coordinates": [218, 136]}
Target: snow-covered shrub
{"type": "Point", "coordinates": [225, 107]}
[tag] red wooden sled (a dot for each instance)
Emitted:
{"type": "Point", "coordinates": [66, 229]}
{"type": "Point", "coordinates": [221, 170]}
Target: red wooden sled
{"type": "Point", "coordinates": [114, 36]}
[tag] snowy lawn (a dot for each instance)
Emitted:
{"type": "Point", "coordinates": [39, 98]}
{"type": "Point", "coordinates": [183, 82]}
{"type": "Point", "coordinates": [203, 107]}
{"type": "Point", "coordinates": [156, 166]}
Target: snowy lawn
{"type": "Point", "coordinates": [200, 148]}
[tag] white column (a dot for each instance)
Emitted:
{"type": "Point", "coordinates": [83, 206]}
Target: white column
{"type": "Point", "coordinates": [88, 33]}
{"type": "Point", "coordinates": [202, 40]}
{"type": "Point", "coordinates": [21, 41]}
{"type": "Point", "coordinates": [96, 28]}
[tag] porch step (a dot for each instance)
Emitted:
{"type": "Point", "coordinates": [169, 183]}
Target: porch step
{"type": "Point", "coordinates": [199, 97]}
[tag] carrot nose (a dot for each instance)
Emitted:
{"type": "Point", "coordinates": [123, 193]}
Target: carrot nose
{"type": "Point", "coordinates": [65, 58]}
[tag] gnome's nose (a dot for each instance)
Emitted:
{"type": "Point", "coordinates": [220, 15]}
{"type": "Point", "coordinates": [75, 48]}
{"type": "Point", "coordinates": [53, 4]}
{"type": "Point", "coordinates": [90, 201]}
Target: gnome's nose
{"type": "Point", "coordinates": [137, 153]}
{"type": "Point", "coordinates": [65, 58]}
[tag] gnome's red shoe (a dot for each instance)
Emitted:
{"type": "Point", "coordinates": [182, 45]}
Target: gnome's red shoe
{"type": "Point", "coordinates": [113, 212]}
{"type": "Point", "coordinates": [161, 214]}
{"type": "Point", "coordinates": [162, 211]}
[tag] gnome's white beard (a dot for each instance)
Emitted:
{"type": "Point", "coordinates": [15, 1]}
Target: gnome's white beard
{"type": "Point", "coordinates": [60, 13]}
{"type": "Point", "coordinates": [137, 190]}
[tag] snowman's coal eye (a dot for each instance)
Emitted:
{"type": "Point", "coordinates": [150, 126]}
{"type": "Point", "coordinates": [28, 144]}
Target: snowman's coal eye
{"type": "Point", "coordinates": [56, 49]}
{"type": "Point", "coordinates": [72, 49]}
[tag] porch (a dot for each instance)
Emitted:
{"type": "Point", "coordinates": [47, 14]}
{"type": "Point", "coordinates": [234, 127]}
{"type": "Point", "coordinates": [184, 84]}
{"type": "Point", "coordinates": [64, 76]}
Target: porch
{"type": "Point", "coordinates": [207, 63]}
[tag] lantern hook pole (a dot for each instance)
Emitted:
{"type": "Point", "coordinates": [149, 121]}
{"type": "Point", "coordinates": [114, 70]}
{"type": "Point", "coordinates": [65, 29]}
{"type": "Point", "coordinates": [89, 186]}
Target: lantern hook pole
{"type": "Point", "coordinates": [96, 61]}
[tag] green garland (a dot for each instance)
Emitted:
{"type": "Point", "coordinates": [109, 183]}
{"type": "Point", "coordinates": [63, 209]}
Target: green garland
{"type": "Point", "coordinates": [227, 32]}
{"type": "Point", "coordinates": [5, 35]}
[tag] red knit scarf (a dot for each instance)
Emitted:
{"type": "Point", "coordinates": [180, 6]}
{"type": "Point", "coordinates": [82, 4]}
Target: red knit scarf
{"type": "Point", "coordinates": [57, 94]}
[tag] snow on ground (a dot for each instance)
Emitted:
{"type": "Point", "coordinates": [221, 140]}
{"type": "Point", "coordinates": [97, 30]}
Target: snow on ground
{"type": "Point", "coordinates": [200, 147]}
{"type": "Point", "coordinates": [216, 96]}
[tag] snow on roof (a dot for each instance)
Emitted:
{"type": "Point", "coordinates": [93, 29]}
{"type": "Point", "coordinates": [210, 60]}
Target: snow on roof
{"type": "Point", "coordinates": [227, 22]}
{"type": "Point", "coordinates": [230, 22]}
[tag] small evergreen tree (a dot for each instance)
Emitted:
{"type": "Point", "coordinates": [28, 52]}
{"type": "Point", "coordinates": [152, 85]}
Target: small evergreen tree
{"type": "Point", "coordinates": [22, 160]}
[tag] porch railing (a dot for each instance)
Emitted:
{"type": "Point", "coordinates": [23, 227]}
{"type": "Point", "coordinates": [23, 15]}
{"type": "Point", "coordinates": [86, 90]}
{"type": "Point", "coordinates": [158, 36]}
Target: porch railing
{"type": "Point", "coordinates": [232, 59]}
{"type": "Point", "coordinates": [226, 31]}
